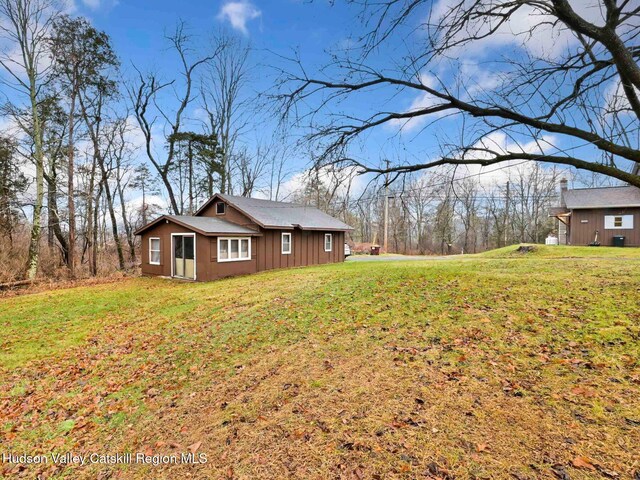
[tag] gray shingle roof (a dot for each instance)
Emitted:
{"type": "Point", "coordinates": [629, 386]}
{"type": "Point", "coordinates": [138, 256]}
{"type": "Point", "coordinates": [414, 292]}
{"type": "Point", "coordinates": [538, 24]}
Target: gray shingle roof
{"type": "Point", "coordinates": [607, 197]}
{"type": "Point", "coordinates": [211, 225]}
{"type": "Point", "coordinates": [204, 225]}
{"type": "Point", "coordinates": [285, 215]}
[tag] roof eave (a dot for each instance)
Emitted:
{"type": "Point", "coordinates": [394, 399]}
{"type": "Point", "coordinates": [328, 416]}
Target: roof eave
{"type": "Point", "coordinates": [599, 207]}
{"type": "Point", "coordinates": [227, 234]}
{"type": "Point", "coordinates": [169, 218]}
{"type": "Point", "coordinates": [326, 229]}
{"type": "Point", "coordinates": [147, 226]}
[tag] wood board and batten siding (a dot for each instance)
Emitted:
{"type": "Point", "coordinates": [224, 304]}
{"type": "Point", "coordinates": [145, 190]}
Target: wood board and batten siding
{"type": "Point", "coordinates": [306, 230]}
{"type": "Point", "coordinates": [307, 249]}
{"type": "Point", "coordinates": [585, 222]}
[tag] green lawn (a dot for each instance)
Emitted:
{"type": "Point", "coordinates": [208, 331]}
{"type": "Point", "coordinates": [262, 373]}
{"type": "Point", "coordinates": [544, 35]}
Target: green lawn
{"type": "Point", "coordinates": [500, 365]}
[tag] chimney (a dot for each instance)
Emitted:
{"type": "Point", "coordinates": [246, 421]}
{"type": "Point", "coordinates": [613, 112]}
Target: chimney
{"type": "Point", "coordinates": [564, 186]}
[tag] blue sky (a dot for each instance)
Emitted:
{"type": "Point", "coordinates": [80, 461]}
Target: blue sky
{"type": "Point", "coordinates": [273, 29]}
{"type": "Point", "coordinates": [279, 28]}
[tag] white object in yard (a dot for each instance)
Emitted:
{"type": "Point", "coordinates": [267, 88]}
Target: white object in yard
{"type": "Point", "coordinates": [551, 240]}
{"type": "Point", "coordinates": [347, 250]}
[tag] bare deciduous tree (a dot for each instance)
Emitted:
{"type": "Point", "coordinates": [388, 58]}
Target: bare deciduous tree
{"type": "Point", "coordinates": [531, 96]}
{"type": "Point", "coordinates": [24, 27]}
{"type": "Point", "coordinates": [223, 101]}
{"type": "Point", "coordinates": [144, 96]}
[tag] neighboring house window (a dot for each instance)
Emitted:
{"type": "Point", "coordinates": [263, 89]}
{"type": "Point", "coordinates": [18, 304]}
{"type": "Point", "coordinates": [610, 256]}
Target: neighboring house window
{"type": "Point", "coordinates": [286, 243]}
{"type": "Point", "coordinates": [154, 251]}
{"type": "Point", "coordinates": [234, 249]}
{"type": "Point", "coordinates": [328, 242]}
{"type": "Point", "coordinates": [612, 222]}
{"type": "Point", "coordinates": [220, 208]}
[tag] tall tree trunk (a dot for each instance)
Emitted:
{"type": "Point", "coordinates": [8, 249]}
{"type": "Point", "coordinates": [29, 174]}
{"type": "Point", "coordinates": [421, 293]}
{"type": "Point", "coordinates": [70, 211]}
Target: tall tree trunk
{"type": "Point", "coordinates": [127, 225]}
{"type": "Point", "coordinates": [112, 215]}
{"type": "Point", "coordinates": [33, 260]}
{"type": "Point", "coordinates": [94, 232]}
{"type": "Point", "coordinates": [50, 214]}
{"type": "Point", "coordinates": [71, 188]}
{"type": "Point", "coordinates": [54, 218]}
{"type": "Point", "coordinates": [144, 205]}
{"type": "Point", "coordinates": [92, 223]}
{"type": "Point", "coordinates": [190, 155]}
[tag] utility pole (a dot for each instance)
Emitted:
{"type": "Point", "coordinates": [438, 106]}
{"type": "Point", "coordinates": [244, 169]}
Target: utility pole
{"type": "Point", "coordinates": [506, 216]}
{"type": "Point", "coordinates": [386, 207]}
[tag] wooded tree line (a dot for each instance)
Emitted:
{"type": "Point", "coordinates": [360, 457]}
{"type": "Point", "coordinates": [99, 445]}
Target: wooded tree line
{"type": "Point", "coordinates": [82, 136]}
{"type": "Point", "coordinates": [439, 213]}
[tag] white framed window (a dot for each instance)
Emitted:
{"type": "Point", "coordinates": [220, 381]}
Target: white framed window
{"type": "Point", "coordinates": [328, 242]}
{"type": "Point", "coordinates": [234, 249]}
{"type": "Point", "coordinates": [220, 208]}
{"type": "Point", "coordinates": [613, 222]}
{"type": "Point", "coordinates": [286, 243]}
{"type": "Point", "coordinates": [154, 251]}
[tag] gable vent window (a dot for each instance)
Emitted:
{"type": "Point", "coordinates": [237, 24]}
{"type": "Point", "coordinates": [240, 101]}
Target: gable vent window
{"type": "Point", "coordinates": [286, 243]}
{"type": "Point", "coordinates": [619, 222]}
{"type": "Point", "coordinates": [220, 208]}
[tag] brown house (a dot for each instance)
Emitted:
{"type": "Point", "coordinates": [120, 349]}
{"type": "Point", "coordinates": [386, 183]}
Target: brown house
{"type": "Point", "coordinates": [598, 215]}
{"type": "Point", "coordinates": [237, 235]}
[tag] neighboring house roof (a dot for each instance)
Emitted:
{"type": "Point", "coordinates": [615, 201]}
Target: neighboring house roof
{"type": "Point", "coordinates": [606, 197]}
{"type": "Point", "coordinates": [203, 225]}
{"type": "Point", "coordinates": [270, 214]}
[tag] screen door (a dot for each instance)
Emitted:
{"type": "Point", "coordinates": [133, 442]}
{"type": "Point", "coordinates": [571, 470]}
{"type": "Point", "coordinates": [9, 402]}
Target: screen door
{"type": "Point", "coordinates": [184, 256]}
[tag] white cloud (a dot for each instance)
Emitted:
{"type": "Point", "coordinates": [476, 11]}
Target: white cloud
{"type": "Point", "coordinates": [92, 4]}
{"type": "Point", "coordinates": [238, 13]}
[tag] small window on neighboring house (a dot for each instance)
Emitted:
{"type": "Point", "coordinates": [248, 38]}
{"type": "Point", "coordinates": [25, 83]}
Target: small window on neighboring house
{"type": "Point", "coordinates": [154, 251]}
{"type": "Point", "coordinates": [618, 221]}
{"type": "Point", "coordinates": [286, 243]}
{"type": "Point", "coordinates": [220, 208]}
{"type": "Point", "coordinates": [328, 242]}
{"type": "Point", "coordinates": [234, 249]}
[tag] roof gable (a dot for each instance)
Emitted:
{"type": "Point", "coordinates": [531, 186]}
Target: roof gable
{"type": "Point", "coordinates": [270, 214]}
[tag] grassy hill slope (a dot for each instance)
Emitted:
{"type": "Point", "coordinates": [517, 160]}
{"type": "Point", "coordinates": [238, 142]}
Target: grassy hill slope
{"type": "Point", "coordinates": [520, 366]}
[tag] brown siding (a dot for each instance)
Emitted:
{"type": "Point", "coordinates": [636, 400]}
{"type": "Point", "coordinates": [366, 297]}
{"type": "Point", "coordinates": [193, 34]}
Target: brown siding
{"type": "Point", "coordinates": [308, 249]}
{"type": "Point", "coordinates": [164, 231]}
{"type": "Point", "coordinates": [584, 233]}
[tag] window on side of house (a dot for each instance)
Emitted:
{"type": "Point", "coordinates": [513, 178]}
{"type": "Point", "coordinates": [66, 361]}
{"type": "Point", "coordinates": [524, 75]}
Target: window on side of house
{"type": "Point", "coordinates": [220, 208]}
{"type": "Point", "coordinates": [328, 242]}
{"type": "Point", "coordinates": [624, 222]}
{"type": "Point", "coordinates": [154, 251]}
{"type": "Point", "coordinates": [286, 243]}
{"type": "Point", "coordinates": [234, 249]}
